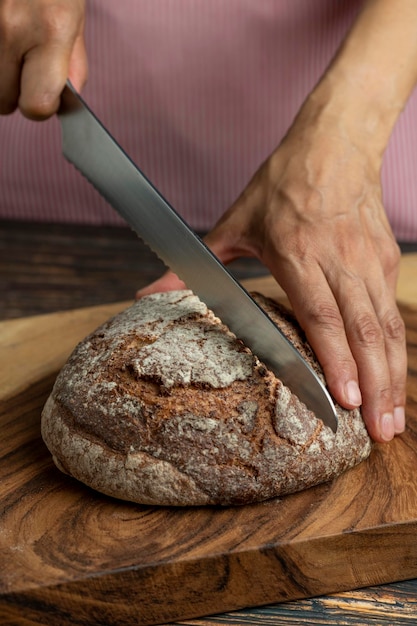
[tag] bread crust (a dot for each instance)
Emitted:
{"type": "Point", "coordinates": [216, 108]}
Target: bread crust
{"type": "Point", "coordinates": [162, 405]}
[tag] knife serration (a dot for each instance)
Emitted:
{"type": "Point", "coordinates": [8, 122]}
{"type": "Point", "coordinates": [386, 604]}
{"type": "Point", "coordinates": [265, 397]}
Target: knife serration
{"type": "Point", "coordinates": [94, 152]}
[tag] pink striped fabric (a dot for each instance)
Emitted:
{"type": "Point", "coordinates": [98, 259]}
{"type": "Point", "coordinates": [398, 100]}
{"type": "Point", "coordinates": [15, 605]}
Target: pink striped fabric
{"type": "Point", "coordinates": [199, 92]}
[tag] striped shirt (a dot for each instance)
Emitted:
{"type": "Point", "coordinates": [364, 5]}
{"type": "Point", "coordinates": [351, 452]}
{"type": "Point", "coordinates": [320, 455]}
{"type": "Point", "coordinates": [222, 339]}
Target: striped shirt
{"type": "Point", "coordinates": [199, 93]}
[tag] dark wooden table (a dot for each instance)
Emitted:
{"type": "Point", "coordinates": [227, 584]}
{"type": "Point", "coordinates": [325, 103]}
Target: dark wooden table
{"type": "Point", "coordinates": [45, 268]}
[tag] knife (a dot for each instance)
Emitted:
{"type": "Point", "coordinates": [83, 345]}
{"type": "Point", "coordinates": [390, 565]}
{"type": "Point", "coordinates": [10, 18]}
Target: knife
{"type": "Point", "coordinates": [93, 151]}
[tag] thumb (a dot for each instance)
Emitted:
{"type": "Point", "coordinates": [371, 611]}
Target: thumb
{"type": "Point", "coordinates": [226, 242]}
{"type": "Point", "coordinates": [169, 281]}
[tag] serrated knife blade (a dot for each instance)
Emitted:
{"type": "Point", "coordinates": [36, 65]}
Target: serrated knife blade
{"type": "Point", "coordinates": [94, 152]}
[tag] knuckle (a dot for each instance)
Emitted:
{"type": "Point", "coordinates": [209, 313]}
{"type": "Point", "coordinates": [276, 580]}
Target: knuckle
{"type": "Point", "coordinates": [338, 367]}
{"type": "Point", "coordinates": [394, 327]}
{"type": "Point", "coordinates": [368, 331]}
{"type": "Point", "coordinates": [385, 395]}
{"type": "Point", "coordinates": [39, 110]}
{"type": "Point", "coordinates": [393, 255]}
{"type": "Point", "coordinates": [9, 23]}
{"type": "Point", "coordinates": [50, 21]}
{"type": "Point", "coordinates": [389, 255]}
{"type": "Point", "coordinates": [56, 22]}
{"type": "Point", "coordinates": [7, 9]}
{"type": "Point", "coordinates": [325, 316]}
{"type": "Point", "coordinates": [59, 20]}
{"type": "Point", "coordinates": [399, 393]}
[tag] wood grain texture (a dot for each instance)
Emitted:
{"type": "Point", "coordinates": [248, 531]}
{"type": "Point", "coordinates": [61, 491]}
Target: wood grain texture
{"type": "Point", "coordinates": [49, 267]}
{"type": "Point", "coordinates": [60, 267]}
{"type": "Point", "coordinates": [391, 605]}
{"type": "Point", "coordinates": [69, 555]}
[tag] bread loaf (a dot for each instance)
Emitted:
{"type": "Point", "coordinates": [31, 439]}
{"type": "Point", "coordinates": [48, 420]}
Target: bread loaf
{"type": "Point", "coordinates": [162, 405]}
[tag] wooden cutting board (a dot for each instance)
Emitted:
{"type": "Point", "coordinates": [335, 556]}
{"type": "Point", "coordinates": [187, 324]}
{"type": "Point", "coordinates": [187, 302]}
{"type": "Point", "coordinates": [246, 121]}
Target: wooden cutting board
{"type": "Point", "coordinates": [70, 556]}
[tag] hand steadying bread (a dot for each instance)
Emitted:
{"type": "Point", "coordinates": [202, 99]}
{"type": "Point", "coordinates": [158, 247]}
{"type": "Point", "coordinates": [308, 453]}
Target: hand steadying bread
{"type": "Point", "coordinates": [163, 405]}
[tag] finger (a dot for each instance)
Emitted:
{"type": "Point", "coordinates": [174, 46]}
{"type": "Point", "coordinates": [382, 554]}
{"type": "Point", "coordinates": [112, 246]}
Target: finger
{"type": "Point", "coordinates": [9, 81]}
{"type": "Point", "coordinates": [227, 240]}
{"type": "Point", "coordinates": [167, 282]}
{"type": "Point", "coordinates": [44, 73]}
{"type": "Point", "coordinates": [366, 339]}
{"type": "Point", "coordinates": [59, 53]}
{"type": "Point", "coordinates": [9, 89]}
{"type": "Point", "coordinates": [78, 68]}
{"type": "Point", "coordinates": [393, 329]}
{"type": "Point", "coordinates": [9, 65]}
{"type": "Point", "coordinates": [355, 343]}
{"type": "Point", "coordinates": [170, 281]}
{"type": "Point", "coordinates": [376, 337]}
{"type": "Point", "coordinates": [319, 315]}
{"type": "Point", "coordinates": [396, 351]}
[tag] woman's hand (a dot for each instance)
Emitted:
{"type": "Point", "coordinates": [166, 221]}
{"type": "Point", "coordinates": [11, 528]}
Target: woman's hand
{"type": "Point", "coordinates": [313, 215]}
{"type": "Point", "coordinates": [41, 45]}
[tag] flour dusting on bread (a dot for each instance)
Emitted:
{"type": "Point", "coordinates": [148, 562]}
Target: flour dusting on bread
{"type": "Point", "coordinates": [164, 405]}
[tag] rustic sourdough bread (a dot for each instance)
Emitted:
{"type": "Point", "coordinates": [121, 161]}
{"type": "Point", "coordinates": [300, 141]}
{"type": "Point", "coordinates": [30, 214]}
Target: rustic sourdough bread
{"type": "Point", "coordinates": [163, 405]}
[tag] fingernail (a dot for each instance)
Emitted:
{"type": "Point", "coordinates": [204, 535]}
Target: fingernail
{"type": "Point", "coordinates": [399, 420]}
{"type": "Point", "coordinates": [387, 426]}
{"type": "Point", "coordinates": [353, 393]}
